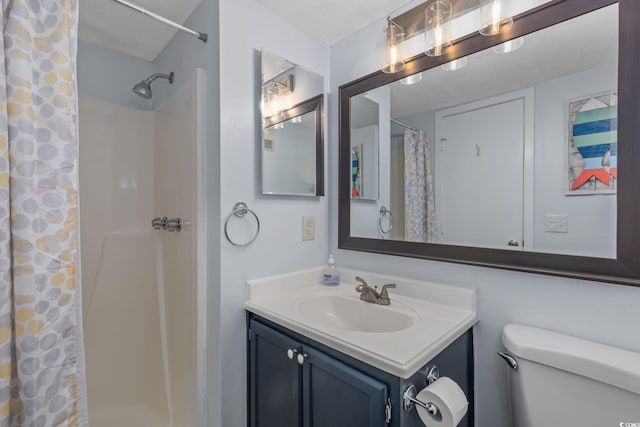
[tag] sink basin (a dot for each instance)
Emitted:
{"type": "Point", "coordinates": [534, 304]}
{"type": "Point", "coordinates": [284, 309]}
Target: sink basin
{"type": "Point", "coordinates": [352, 314]}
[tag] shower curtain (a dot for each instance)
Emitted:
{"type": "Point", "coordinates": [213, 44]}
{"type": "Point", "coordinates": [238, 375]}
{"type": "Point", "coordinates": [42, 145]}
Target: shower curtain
{"type": "Point", "coordinates": [41, 353]}
{"type": "Point", "coordinates": [419, 206]}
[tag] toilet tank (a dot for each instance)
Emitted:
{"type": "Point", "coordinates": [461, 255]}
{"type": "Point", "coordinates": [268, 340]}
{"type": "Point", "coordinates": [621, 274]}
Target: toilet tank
{"type": "Point", "coordinates": [562, 380]}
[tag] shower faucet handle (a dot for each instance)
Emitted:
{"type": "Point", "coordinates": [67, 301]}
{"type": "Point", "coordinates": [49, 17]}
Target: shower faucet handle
{"type": "Point", "coordinates": [176, 224]}
{"type": "Point", "coordinates": [173, 224]}
{"type": "Point", "coordinates": [159, 223]}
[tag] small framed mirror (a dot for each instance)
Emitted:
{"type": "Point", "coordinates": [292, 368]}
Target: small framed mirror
{"type": "Point", "coordinates": [292, 123]}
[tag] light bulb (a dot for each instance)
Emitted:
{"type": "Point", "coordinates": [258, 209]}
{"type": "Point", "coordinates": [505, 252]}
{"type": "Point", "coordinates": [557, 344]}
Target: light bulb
{"type": "Point", "coordinates": [494, 17]}
{"type": "Point", "coordinates": [393, 54]}
{"type": "Point", "coordinates": [393, 59]}
{"type": "Point", "coordinates": [437, 34]}
{"type": "Point", "coordinates": [437, 16]}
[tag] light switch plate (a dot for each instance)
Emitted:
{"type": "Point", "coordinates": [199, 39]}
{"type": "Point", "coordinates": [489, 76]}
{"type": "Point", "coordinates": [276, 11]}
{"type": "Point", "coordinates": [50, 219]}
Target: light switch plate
{"type": "Point", "coordinates": [556, 224]}
{"type": "Point", "coordinates": [308, 228]}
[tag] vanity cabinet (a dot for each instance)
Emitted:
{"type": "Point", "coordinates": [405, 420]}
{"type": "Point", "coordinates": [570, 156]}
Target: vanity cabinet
{"type": "Point", "coordinates": [294, 381]}
{"type": "Point", "coordinates": [293, 384]}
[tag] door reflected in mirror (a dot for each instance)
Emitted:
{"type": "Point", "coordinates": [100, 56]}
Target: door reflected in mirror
{"type": "Point", "coordinates": [514, 147]}
{"type": "Point", "coordinates": [292, 129]}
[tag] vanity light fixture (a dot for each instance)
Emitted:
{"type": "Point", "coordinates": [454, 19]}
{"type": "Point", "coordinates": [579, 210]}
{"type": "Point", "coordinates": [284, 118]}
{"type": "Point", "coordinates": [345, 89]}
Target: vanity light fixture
{"type": "Point", "coordinates": [411, 80]}
{"type": "Point", "coordinates": [456, 64]}
{"type": "Point", "coordinates": [393, 58]}
{"type": "Point", "coordinates": [494, 15]}
{"type": "Point", "coordinates": [296, 119]}
{"type": "Point", "coordinates": [437, 17]}
{"type": "Point", "coordinates": [279, 125]}
{"type": "Point", "coordinates": [272, 93]}
{"type": "Point", "coordinates": [509, 46]}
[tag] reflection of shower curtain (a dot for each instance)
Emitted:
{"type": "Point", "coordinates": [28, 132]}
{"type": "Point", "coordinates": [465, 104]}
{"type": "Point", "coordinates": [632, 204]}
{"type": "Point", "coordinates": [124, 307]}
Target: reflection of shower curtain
{"type": "Point", "coordinates": [419, 206]}
{"type": "Point", "coordinates": [41, 360]}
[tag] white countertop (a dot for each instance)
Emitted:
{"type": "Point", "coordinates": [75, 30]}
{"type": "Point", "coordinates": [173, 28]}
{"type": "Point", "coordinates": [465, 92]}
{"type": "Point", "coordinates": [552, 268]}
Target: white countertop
{"type": "Point", "coordinates": [440, 314]}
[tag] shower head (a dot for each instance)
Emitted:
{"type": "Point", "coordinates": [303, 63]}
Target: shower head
{"type": "Point", "coordinates": [143, 89]}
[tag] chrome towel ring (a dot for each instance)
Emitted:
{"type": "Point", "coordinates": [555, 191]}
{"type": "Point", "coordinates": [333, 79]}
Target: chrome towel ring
{"type": "Point", "coordinates": [384, 212]}
{"type": "Point", "coordinates": [240, 210]}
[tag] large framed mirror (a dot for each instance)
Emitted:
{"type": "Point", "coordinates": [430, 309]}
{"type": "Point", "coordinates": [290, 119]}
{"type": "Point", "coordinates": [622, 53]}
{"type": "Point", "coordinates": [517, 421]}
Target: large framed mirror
{"type": "Point", "coordinates": [292, 123]}
{"type": "Point", "coordinates": [507, 150]}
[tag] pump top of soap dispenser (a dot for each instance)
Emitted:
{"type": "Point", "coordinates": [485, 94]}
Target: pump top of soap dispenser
{"type": "Point", "coordinates": [331, 260]}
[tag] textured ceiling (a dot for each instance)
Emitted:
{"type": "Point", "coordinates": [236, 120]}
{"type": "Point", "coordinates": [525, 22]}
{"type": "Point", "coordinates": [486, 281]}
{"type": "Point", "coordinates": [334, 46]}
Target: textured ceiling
{"type": "Point", "coordinates": [332, 20]}
{"type": "Point", "coordinates": [111, 25]}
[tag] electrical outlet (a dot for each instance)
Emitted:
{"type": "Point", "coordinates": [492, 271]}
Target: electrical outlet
{"type": "Point", "coordinates": [556, 224]}
{"type": "Point", "coordinates": [308, 228]}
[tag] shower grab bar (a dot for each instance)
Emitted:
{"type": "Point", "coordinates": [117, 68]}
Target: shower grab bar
{"type": "Point", "coordinates": [201, 36]}
{"type": "Point", "coordinates": [240, 210]}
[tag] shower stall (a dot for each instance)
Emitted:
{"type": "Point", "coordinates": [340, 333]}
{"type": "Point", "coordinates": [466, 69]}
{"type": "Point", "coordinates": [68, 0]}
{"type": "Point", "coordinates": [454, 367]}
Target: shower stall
{"type": "Point", "coordinates": [143, 288]}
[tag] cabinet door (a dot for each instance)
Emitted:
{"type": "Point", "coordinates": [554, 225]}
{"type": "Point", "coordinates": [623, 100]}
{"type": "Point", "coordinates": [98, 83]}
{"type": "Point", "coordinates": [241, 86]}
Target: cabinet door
{"type": "Point", "coordinates": [336, 395]}
{"type": "Point", "coordinates": [275, 380]}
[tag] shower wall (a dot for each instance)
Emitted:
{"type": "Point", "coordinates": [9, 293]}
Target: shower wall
{"type": "Point", "coordinates": [139, 284]}
{"type": "Point", "coordinates": [116, 177]}
{"type": "Point", "coordinates": [175, 195]}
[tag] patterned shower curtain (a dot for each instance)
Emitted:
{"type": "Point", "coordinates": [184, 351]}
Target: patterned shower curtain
{"type": "Point", "coordinates": [419, 206]}
{"type": "Point", "coordinates": [41, 353]}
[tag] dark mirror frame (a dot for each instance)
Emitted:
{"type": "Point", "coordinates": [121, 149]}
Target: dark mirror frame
{"type": "Point", "coordinates": [625, 268]}
{"type": "Point", "coordinates": [312, 104]}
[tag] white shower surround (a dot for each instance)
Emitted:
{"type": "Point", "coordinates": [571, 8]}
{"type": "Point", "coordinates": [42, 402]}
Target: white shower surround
{"type": "Point", "coordinates": [116, 227]}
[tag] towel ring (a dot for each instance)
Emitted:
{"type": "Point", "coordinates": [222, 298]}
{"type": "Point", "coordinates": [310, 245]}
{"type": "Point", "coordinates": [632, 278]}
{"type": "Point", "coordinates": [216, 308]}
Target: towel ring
{"type": "Point", "coordinates": [384, 212]}
{"type": "Point", "coordinates": [240, 210]}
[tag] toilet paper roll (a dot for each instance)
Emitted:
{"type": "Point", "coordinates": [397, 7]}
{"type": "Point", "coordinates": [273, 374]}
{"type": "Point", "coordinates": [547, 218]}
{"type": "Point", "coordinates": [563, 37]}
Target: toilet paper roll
{"type": "Point", "coordinates": [450, 400]}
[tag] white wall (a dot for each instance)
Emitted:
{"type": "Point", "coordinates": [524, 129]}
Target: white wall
{"type": "Point", "coordinates": [109, 75]}
{"type": "Point", "coordinates": [290, 168]}
{"type": "Point", "coordinates": [365, 213]}
{"type": "Point", "coordinates": [279, 248]}
{"type": "Point", "coordinates": [603, 312]}
{"type": "Point", "coordinates": [592, 219]}
{"type": "Point", "coordinates": [182, 55]}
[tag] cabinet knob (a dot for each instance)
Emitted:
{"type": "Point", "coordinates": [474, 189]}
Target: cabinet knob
{"type": "Point", "coordinates": [291, 353]}
{"type": "Point", "coordinates": [302, 358]}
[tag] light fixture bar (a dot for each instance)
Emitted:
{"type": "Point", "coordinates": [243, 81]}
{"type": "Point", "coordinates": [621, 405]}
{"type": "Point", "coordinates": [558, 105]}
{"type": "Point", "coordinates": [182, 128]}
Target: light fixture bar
{"type": "Point", "coordinates": [413, 20]}
{"type": "Point", "coordinates": [200, 36]}
{"type": "Point", "coordinates": [393, 54]}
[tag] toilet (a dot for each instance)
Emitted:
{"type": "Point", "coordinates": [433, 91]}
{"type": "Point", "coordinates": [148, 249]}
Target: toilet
{"type": "Point", "coordinates": [558, 380]}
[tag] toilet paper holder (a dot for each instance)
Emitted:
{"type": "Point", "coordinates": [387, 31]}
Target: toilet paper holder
{"type": "Point", "coordinates": [409, 401]}
{"type": "Point", "coordinates": [409, 396]}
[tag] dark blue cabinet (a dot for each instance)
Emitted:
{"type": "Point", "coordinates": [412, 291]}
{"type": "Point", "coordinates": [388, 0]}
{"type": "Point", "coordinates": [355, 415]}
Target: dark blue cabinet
{"type": "Point", "coordinates": [275, 380]}
{"type": "Point", "coordinates": [295, 385]}
{"type": "Point", "coordinates": [322, 387]}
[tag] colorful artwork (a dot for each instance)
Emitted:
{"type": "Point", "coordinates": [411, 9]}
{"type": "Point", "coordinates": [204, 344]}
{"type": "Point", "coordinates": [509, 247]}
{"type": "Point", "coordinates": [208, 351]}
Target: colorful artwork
{"type": "Point", "coordinates": [356, 172]}
{"type": "Point", "coordinates": [593, 144]}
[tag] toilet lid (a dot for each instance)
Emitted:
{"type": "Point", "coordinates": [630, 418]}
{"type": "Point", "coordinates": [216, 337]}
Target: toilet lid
{"type": "Point", "coordinates": [604, 363]}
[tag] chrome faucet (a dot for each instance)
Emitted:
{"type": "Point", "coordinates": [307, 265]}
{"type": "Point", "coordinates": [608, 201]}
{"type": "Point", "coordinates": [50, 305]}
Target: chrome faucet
{"type": "Point", "coordinates": [369, 294]}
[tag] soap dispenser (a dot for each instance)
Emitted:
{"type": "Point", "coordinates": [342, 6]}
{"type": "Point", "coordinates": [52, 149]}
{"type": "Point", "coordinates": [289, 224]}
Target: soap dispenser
{"type": "Point", "coordinates": [330, 274]}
